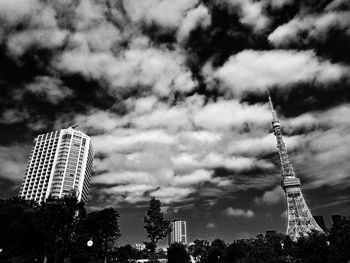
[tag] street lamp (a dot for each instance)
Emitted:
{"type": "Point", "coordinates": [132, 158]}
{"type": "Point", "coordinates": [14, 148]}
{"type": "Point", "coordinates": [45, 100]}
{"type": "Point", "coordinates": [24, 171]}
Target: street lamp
{"type": "Point", "coordinates": [89, 243]}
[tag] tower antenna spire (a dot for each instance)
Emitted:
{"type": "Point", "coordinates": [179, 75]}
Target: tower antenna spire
{"type": "Point", "coordinates": [274, 115]}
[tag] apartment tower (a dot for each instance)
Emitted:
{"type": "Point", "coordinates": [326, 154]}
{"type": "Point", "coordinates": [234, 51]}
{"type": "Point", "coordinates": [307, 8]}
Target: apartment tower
{"type": "Point", "coordinates": [178, 232]}
{"type": "Point", "coordinates": [60, 163]}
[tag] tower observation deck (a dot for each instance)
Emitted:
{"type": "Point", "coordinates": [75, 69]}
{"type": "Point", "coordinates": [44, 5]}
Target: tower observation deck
{"type": "Point", "coordinates": [299, 219]}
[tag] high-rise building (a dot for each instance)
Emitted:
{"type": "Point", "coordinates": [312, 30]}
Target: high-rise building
{"type": "Point", "coordinates": [60, 163]}
{"type": "Point", "coordinates": [178, 232]}
{"type": "Point", "coordinates": [299, 219]}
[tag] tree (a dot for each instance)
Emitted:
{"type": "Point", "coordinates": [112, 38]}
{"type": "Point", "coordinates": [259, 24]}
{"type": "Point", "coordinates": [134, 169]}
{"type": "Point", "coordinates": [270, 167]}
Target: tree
{"type": "Point", "coordinates": [217, 251]}
{"type": "Point", "coordinates": [125, 253]}
{"type": "Point", "coordinates": [157, 227]}
{"type": "Point", "coordinates": [177, 254]}
{"type": "Point", "coordinates": [339, 240]}
{"type": "Point", "coordinates": [199, 250]}
{"type": "Point", "coordinates": [59, 219]}
{"type": "Point", "coordinates": [233, 253]}
{"type": "Point", "coordinates": [20, 237]}
{"type": "Point", "coordinates": [102, 228]}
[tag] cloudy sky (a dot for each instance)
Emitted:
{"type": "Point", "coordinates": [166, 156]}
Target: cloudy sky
{"type": "Point", "coordinates": [173, 94]}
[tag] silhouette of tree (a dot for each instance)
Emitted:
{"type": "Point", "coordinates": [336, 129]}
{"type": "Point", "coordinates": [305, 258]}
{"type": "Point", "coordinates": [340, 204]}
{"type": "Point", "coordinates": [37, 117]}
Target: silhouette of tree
{"type": "Point", "coordinates": [125, 253]}
{"type": "Point", "coordinates": [199, 250]}
{"type": "Point", "coordinates": [59, 219]}
{"type": "Point", "coordinates": [177, 254]}
{"type": "Point", "coordinates": [20, 237]}
{"type": "Point", "coordinates": [157, 227]}
{"type": "Point", "coordinates": [216, 252]}
{"type": "Point", "coordinates": [102, 228]}
{"type": "Point", "coordinates": [339, 240]}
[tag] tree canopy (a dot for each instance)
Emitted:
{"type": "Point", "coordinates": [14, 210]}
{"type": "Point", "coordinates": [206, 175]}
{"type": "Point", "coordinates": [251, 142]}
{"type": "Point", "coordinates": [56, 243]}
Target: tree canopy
{"type": "Point", "coordinates": [157, 227]}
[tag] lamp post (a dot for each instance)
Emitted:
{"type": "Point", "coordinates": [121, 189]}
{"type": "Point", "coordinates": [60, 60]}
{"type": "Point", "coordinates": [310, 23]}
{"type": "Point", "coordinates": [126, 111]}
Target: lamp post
{"type": "Point", "coordinates": [89, 243]}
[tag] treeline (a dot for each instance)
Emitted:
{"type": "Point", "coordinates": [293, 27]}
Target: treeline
{"type": "Point", "coordinates": [278, 248]}
{"type": "Point", "coordinates": [61, 231]}
{"type": "Point", "coordinates": [57, 231]}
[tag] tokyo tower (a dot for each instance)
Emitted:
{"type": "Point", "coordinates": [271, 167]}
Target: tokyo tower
{"type": "Point", "coordinates": [299, 219]}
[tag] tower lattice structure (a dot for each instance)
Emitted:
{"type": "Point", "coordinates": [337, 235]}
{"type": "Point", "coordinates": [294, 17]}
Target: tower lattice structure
{"type": "Point", "coordinates": [300, 221]}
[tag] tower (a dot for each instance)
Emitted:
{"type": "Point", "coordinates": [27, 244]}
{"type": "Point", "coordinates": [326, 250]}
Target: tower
{"type": "Point", "coordinates": [299, 219]}
{"type": "Point", "coordinates": [60, 163]}
{"type": "Point", "coordinates": [178, 232]}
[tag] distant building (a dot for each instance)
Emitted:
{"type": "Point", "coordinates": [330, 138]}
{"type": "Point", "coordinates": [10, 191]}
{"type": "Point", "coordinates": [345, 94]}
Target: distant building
{"type": "Point", "coordinates": [178, 232]}
{"type": "Point", "coordinates": [60, 163]}
{"type": "Point", "coordinates": [139, 247]}
{"type": "Point", "coordinates": [320, 222]}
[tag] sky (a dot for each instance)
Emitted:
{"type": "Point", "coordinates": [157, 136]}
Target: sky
{"type": "Point", "coordinates": [173, 94]}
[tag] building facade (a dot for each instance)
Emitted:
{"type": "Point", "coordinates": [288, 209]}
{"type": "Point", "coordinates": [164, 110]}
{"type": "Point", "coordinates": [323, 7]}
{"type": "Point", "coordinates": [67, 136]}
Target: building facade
{"type": "Point", "coordinates": [178, 232]}
{"type": "Point", "coordinates": [60, 163]}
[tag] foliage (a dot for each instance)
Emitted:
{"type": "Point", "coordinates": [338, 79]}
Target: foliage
{"type": "Point", "coordinates": [199, 250]}
{"type": "Point", "coordinates": [20, 236]}
{"type": "Point", "coordinates": [102, 228]}
{"type": "Point", "coordinates": [157, 227]}
{"type": "Point", "coordinates": [278, 248]}
{"type": "Point", "coordinates": [216, 252]}
{"type": "Point", "coordinates": [177, 254]}
{"type": "Point", "coordinates": [125, 253]}
{"type": "Point", "coordinates": [58, 222]}
{"type": "Point", "coordinates": [55, 231]}
{"type": "Point", "coordinates": [339, 239]}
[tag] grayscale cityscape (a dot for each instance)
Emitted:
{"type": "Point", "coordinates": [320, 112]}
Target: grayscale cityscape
{"type": "Point", "coordinates": [175, 131]}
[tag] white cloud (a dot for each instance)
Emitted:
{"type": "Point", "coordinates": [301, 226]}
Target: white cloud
{"type": "Point", "coordinates": [237, 212]}
{"type": "Point", "coordinates": [250, 12]}
{"type": "Point", "coordinates": [15, 11]}
{"type": "Point", "coordinates": [126, 177]}
{"type": "Point", "coordinates": [271, 197]}
{"type": "Point", "coordinates": [185, 161]}
{"type": "Point", "coordinates": [129, 193]}
{"type": "Point", "coordinates": [50, 89]}
{"type": "Point", "coordinates": [255, 71]}
{"type": "Point", "coordinates": [88, 13]}
{"type": "Point", "coordinates": [198, 17]}
{"type": "Point", "coordinates": [302, 30]}
{"type": "Point", "coordinates": [226, 114]}
{"type": "Point", "coordinates": [172, 194]}
{"type": "Point", "coordinates": [128, 139]}
{"type": "Point", "coordinates": [158, 71]}
{"type": "Point", "coordinates": [13, 160]}
{"type": "Point", "coordinates": [232, 162]}
{"type": "Point", "coordinates": [98, 120]}
{"type": "Point", "coordinates": [19, 43]}
{"type": "Point", "coordinates": [197, 177]}
{"type": "Point", "coordinates": [163, 116]}
{"type": "Point", "coordinates": [167, 13]}
{"type": "Point", "coordinates": [255, 146]}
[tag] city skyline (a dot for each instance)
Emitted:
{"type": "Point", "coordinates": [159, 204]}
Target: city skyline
{"type": "Point", "coordinates": [173, 96]}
